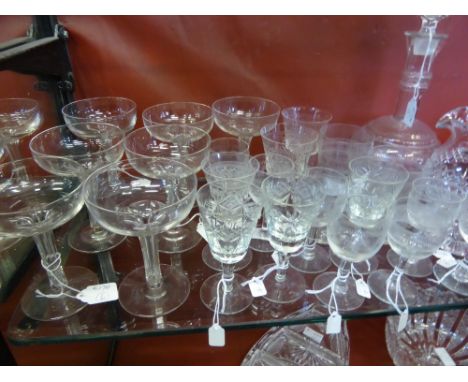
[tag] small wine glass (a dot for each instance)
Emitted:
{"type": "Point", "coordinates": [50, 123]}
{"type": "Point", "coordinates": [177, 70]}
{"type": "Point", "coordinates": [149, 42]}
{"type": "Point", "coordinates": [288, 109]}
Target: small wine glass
{"type": "Point", "coordinates": [96, 145]}
{"type": "Point", "coordinates": [306, 116]}
{"type": "Point", "coordinates": [118, 111]}
{"type": "Point", "coordinates": [245, 116]}
{"type": "Point", "coordinates": [19, 117]}
{"type": "Point", "coordinates": [124, 201]}
{"type": "Point", "coordinates": [180, 113]}
{"type": "Point", "coordinates": [229, 216]}
{"type": "Point", "coordinates": [32, 204]}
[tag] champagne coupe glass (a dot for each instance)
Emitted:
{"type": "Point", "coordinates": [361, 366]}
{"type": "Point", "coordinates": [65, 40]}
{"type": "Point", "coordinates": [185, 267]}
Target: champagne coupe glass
{"type": "Point", "coordinates": [124, 201]}
{"type": "Point", "coordinates": [229, 215]}
{"type": "Point", "coordinates": [291, 204]}
{"type": "Point", "coordinates": [32, 204]}
{"type": "Point", "coordinates": [244, 116]}
{"type": "Point", "coordinates": [19, 117]}
{"type": "Point", "coordinates": [314, 258]}
{"type": "Point", "coordinates": [180, 113]}
{"type": "Point", "coordinates": [186, 144]}
{"type": "Point", "coordinates": [117, 111]}
{"type": "Point", "coordinates": [235, 168]}
{"type": "Point", "coordinates": [306, 116]}
{"type": "Point", "coordinates": [97, 144]}
{"type": "Point", "coordinates": [279, 166]}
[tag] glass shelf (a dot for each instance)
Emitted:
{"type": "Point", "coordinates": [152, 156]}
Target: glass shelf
{"type": "Point", "coordinates": [110, 321]}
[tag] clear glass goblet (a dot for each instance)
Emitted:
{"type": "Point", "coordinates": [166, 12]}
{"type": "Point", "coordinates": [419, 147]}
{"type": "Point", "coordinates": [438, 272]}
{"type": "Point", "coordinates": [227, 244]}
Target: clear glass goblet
{"type": "Point", "coordinates": [291, 204]}
{"type": "Point", "coordinates": [96, 145]}
{"type": "Point", "coordinates": [180, 113]}
{"type": "Point", "coordinates": [186, 144]}
{"type": "Point", "coordinates": [245, 116]}
{"type": "Point", "coordinates": [124, 201]}
{"type": "Point", "coordinates": [228, 144]}
{"type": "Point", "coordinates": [19, 117]}
{"type": "Point", "coordinates": [32, 204]}
{"type": "Point", "coordinates": [306, 116]}
{"type": "Point", "coordinates": [229, 216]}
{"type": "Point", "coordinates": [294, 142]}
{"type": "Point", "coordinates": [314, 258]}
{"type": "Point", "coordinates": [118, 111]}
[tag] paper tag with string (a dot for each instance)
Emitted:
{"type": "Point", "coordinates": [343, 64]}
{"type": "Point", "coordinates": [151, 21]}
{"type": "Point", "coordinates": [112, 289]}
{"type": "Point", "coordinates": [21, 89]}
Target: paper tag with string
{"type": "Point", "coordinates": [403, 320]}
{"type": "Point", "coordinates": [257, 287]}
{"type": "Point", "coordinates": [201, 231]}
{"type": "Point", "coordinates": [334, 323]}
{"type": "Point", "coordinates": [444, 356]}
{"type": "Point", "coordinates": [216, 336]}
{"type": "Point", "coordinates": [99, 293]}
{"type": "Point", "coordinates": [447, 261]}
{"type": "Point", "coordinates": [362, 288]}
{"type": "Point", "coordinates": [142, 182]}
{"type": "Point", "coordinates": [440, 253]}
{"type": "Point", "coordinates": [410, 113]}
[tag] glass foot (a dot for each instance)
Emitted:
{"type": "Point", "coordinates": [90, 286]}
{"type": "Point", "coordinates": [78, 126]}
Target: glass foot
{"type": "Point", "coordinates": [457, 281]}
{"type": "Point", "coordinates": [287, 291]}
{"type": "Point", "coordinates": [421, 268]}
{"type": "Point", "coordinates": [214, 264]}
{"type": "Point", "coordinates": [377, 282]}
{"type": "Point", "coordinates": [315, 261]}
{"type": "Point", "coordinates": [179, 239]}
{"type": "Point", "coordinates": [363, 267]}
{"type": "Point", "coordinates": [51, 309]}
{"type": "Point", "coordinates": [236, 301]}
{"type": "Point", "coordinates": [88, 240]}
{"type": "Point", "coordinates": [346, 295]}
{"type": "Point", "coordinates": [136, 299]}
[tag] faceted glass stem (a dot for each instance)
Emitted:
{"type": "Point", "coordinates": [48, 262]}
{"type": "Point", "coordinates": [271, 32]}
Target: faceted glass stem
{"type": "Point", "coordinates": [150, 251]}
{"type": "Point", "coordinates": [343, 272]}
{"type": "Point", "coordinates": [12, 147]}
{"type": "Point", "coordinates": [228, 277]}
{"type": "Point", "coordinates": [280, 275]}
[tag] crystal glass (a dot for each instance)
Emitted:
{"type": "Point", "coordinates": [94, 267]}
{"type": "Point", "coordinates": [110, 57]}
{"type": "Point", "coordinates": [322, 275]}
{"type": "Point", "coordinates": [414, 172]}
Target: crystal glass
{"type": "Point", "coordinates": [186, 144]}
{"type": "Point", "coordinates": [233, 169]}
{"type": "Point", "coordinates": [96, 145]}
{"type": "Point", "coordinates": [292, 141]}
{"type": "Point", "coordinates": [32, 204]}
{"type": "Point", "coordinates": [306, 116]}
{"type": "Point", "coordinates": [19, 118]}
{"type": "Point", "coordinates": [117, 111]}
{"type": "Point", "coordinates": [291, 204]}
{"type": "Point", "coordinates": [314, 258]}
{"type": "Point", "coordinates": [180, 113]}
{"type": "Point", "coordinates": [282, 166]}
{"type": "Point", "coordinates": [127, 203]}
{"type": "Point", "coordinates": [244, 117]}
{"type": "Point", "coordinates": [352, 243]}
{"type": "Point", "coordinates": [427, 333]}
{"type": "Point", "coordinates": [229, 216]}
{"type": "Point", "coordinates": [227, 144]}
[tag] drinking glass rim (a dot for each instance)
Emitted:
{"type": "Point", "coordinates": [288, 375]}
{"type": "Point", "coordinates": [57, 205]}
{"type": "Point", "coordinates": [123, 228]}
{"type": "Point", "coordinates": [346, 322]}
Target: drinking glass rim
{"type": "Point", "coordinates": [214, 106]}
{"type": "Point", "coordinates": [387, 165]}
{"type": "Point", "coordinates": [202, 105]}
{"type": "Point", "coordinates": [267, 129]}
{"type": "Point", "coordinates": [255, 166]}
{"type": "Point", "coordinates": [427, 179]}
{"type": "Point", "coordinates": [34, 104]}
{"type": "Point", "coordinates": [132, 108]}
{"type": "Point", "coordinates": [328, 116]}
{"type": "Point", "coordinates": [223, 182]}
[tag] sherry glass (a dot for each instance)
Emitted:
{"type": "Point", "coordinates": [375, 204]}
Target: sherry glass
{"type": "Point", "coordinates": [229, 215]}
{"type": "Point", "coordinates": [19, 117]}
{"type": "Point", "coordinates": [244, 117]}
{"type": "Point", "coordinates": [95, 145]}
{"type": "Point", "coordinates": [291, 204]}
{"type": "Point", "coordinates": [186, 144]}
{"type": "Point", "coordinates": [117, 111]}
{"type": "Point", "coordinates": [128, 203]}
{"type": "Point", "coordinates": [314, 258]}
{"type": "Point", "coordinates": [306, 116]}
{"type": "Point", "coordinates": [180, 113]}
{"type": "Point", "coordinates": [32, 204]}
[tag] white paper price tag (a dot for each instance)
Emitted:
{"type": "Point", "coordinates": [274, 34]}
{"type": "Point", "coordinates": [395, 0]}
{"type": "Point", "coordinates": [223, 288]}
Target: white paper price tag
{"type": "Point", "coordinates": [313, 335]}
{"type": "Point", "coordinates": [410, 112]}
{"type": "Point", "coordinates": [216, 336]}
{"type": "Point", "coordinates": [447, 261]}
{"type": "Point", "coordinates": [362, 288]}
{"type": "Point", "coordinates": [334, 323]}
{"type": "Point", "coordinates": [440, 253]}
{"type": "Point", "coordinates": [99, 293]}
{"type": "Point", "coordinates": [141, 182]}
{"type": "Point", "coordinates": [257, 288]}
{"type": "Point", "coordinates": [201, 231]}
{"type": "Point", "coordinates": [444, 356]}
{"type": "Point", "coordinates": [423, 46]}
{"type": "Point", "coordinates": [403, 320]}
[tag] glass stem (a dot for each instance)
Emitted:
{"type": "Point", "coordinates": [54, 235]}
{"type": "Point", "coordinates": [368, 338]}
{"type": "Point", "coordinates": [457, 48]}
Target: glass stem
{"type": "Point", "coordinates": [344, 269]}
{"type": "Point", "coordinates": [176, 261]}
{"type": "Point", "coordinates": [149, 248]}
{"type": "Point", "coordinates": [228, 276]}
{"type": "Point", "coordinates": [246, 139]}
{"type": "Point", "coordinates": [309, 246]}
{"type": "Point", "coordinates": [280, 275]}
{"type": "Point", "coordinates": [13, 149]}
{"type": "Point", "coordinates": [93, 223]}
{"type": "Point", "coordinates": [47, 248]}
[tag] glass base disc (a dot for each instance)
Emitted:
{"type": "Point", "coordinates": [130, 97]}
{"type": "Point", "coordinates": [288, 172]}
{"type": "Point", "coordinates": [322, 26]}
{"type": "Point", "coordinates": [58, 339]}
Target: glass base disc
{"type": "Point", "coordinates": [377, 282]}
{"type": "Point", "coordinates": [421, 268]}
{"type": "Point", "coordinates": [136, 299]}
{"type": "Point", "coordinates": [346, 297]}
{"type": "Point", "coordinates": [260, 245]}
{"type": "Point", "coordinates": [236, 301]}
{"type": "Point", "coordinates": [51, 309]}
{"type": "Point", "coordinates": [179, 239]}
{"type": "Point", "coordinates": [214, 264]}
{"type": "Point", "coordinates": [456, 282]}
{"type": "Point", "coordinates": [362, 267]}
{"type": "Point", "coordinates": [87, 241]}
{"type": "Point", "coordinates": [311, 262]}
{"type": "Point", "coordinates": [291, 289]}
